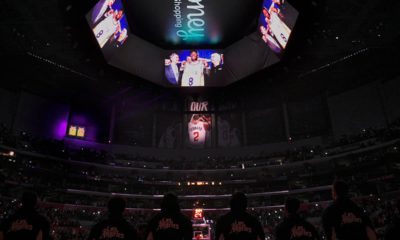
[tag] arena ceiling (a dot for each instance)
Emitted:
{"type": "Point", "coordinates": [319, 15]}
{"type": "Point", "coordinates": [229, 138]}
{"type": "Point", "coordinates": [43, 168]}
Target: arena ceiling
{"type": "Point", "coordinates": [47, 47]}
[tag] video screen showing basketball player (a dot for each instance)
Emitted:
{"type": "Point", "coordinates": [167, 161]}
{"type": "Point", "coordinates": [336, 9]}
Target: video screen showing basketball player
{"type": "Point", "coordinates": [109, 24]}
{"type": "Point", "coordinates": [199, 130]}
{"type": "Point", "coordinates": [276, 24]}
{"type": "Point", "coordinates": [194, 68]}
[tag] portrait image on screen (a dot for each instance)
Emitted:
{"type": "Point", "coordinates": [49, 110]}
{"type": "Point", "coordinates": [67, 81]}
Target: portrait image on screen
{"type": "Point", "coordinates": [229, 130]}
{"type": "Point", "coordinates": [194, 68]}
{"type": "Point", "coordinates": [109, 24]}
{"type": "Point", "coordinates": [169, 133]}
{"type": "Point", "coordinates": [199, 130]}
{"type": "Point", "coordinates": [276, 23]}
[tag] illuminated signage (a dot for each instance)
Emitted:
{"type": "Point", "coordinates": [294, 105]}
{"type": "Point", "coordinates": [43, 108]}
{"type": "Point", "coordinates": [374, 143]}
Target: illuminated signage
{"type": "Point", "coordinates": [199, 107]}
{"type": "Point", "coordinates": [76, 131]}
{"type": "Point", "coordinates": [200, 183]}
{"type": "Point", "coordinates": [198, 213]}
{"type": "Point", "coordinates": [81, 132]}
{"type": "Point", "coordinates": [190, 27]}
{"type": "Point", "coordinates": [72, 131]}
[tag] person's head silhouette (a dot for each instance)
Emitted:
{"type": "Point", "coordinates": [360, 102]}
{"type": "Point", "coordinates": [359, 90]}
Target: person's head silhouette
{"type": "Point", "coordinates": [170, 204]}
{"type": "Point", "coordinates": [292, 206]}
{"type": "Point", "coordinates": [116, 206]}
{"type": "Point", "coordinates": [29, 200]}
{"type": "Point", "coordinates": [340, 190]}
{"type": "Point", "coordinates": [238, 203]}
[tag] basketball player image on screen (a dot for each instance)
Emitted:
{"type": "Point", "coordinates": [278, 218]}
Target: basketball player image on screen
{"type": "Point", "coordinates": [224, 136]}
{"type": "Point", "coordinates": [109, 28]}
{"type": "Point", "coordinates": [275, 30]}
{"type": "Point", "coordinates": [193, 71]}
{"type": "Point", "coordinates": [269, 40]}
{"type": "Point", "coordinates": [168, 139]}
{"type": "Point", "coordinates": [228, 136]}
{"type": "Point", "coordinates": [199, 129]}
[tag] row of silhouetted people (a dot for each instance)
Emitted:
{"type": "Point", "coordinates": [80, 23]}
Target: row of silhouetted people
{"type": "Point", "coordinates": [342, 220]}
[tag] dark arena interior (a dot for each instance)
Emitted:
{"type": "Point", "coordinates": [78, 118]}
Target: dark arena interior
{"type": "Point", "coordinates": [200, 119]}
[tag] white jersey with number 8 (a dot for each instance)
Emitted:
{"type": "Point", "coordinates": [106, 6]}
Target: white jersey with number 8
{"type": "Point", "coordinates": [280, 30]}
{"type": "Point", "coordinates": [105, 30]}
{"type": "Point", "coordinates": [193, 74]}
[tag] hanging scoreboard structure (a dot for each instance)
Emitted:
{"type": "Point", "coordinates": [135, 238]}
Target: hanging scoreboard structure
{"type": "Point", "coordinates": [192, 43]}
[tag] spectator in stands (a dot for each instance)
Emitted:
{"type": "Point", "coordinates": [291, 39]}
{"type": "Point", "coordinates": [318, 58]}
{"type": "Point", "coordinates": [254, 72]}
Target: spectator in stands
{"type": "Point", "coordinates": [115, 226]}
{"type": "Point", "coordinates": [293, 226]}
{"type": "Point", "coordinates": [26, 223]}
{"type": "Point", "coordinates": [2, 177]}
{"type": "Point", "coordinates": [393, 230]}
{"type": "Point", "coordinates": [170, 223]}
{"type": "Point", "coordinates": [343, 219]}
{"type": "Point", "coordinates": [238, 224]}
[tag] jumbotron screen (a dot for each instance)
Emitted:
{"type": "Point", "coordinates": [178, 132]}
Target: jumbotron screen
{"type": "Point", "coordinates": [276, 22]}
{"type": "Point", "coordinates": [232, 39]}
{"type": "Point", "coordinates": [194, 68]}
{"type": "Point", "coordinates": [109, 25]}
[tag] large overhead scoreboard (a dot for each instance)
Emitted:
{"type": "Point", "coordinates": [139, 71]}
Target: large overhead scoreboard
{"type": "Point", "coordinates": [192, 43]}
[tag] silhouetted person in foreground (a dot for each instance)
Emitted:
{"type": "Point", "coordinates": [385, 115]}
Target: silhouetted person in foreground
{"type": "Point", "coordinates": [115, 226]}
{"type": "Point", "coordinates": [170, 223]}
{"type": "Point", "coordinates": [238, 224]}
{"type": "Point", "coordinates": [343, 219]}
{"type": "Point", "coordinates": [26, 223]}
{"type": "Point", "coordinates": [293, 226]}
{"type": "Point", "coordinates": [393, 230]}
